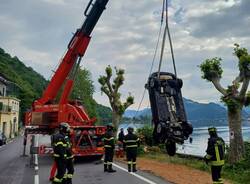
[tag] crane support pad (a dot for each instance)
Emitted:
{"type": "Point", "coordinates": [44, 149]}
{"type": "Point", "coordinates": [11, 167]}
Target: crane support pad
{"type": "Point", "coordinates": [167, 107]}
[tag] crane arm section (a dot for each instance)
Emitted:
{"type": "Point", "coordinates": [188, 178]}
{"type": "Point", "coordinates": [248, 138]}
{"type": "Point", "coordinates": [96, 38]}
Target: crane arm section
{"type": "Point", "coordinates": [76, 49]}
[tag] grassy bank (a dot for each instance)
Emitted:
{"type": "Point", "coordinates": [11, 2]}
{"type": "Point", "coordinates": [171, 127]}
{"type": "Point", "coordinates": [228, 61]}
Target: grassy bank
{"type": "Point", "coordinates": [237, 174]}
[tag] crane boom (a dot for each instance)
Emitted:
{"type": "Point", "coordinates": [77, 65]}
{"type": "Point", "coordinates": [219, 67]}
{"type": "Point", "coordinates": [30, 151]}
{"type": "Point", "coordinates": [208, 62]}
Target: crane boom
{"type": "Point", "coordinates": [76, 50]}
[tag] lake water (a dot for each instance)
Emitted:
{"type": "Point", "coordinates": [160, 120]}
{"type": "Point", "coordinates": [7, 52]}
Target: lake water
{"type": "Point", "coordinates": [200, 136]}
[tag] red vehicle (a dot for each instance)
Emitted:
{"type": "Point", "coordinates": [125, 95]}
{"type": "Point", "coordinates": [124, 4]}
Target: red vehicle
{"type": "Point", "coordinates": [46, 114]}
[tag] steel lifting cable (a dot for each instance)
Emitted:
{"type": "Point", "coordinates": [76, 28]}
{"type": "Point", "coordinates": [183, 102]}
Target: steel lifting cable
{"type": "Point", "coordinates": [154, 57]}
{"type": "Point", "coordinates": [167, 32]}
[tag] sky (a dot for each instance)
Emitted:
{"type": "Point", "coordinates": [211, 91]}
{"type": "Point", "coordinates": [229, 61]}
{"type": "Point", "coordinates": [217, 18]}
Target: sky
{"type": "Point", "coordinates": [38, 32]}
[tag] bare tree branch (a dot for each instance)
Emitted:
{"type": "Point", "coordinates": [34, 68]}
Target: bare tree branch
{"type": "Point", "coordinates": [109, 84]}
{"type": "Point", "coordinates": [107, 92]}
{"type": "Point", "coordinates": [244, 88]}
{"type": "Point", "coordinates": [238, 79]}
{"type": "Point", "coordinates": [217, 85]}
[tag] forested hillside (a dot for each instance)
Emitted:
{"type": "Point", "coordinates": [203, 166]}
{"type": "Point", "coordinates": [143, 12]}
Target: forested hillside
{"type": "Point", "coordinates": [31, 84]}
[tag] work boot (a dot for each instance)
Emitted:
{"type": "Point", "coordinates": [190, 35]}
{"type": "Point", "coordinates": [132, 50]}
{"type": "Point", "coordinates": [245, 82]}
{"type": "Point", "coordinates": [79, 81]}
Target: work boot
{"type": "Point", "coordinates": [56, 180]}
{"type": "Point", "coordinates": [64, 181]}
{"type": "Point", "coordinates": [129, 167]}
{"type": "Point", "coordinates": [221, 181]}
{"type": "Point", "coordinates": [110, 169]}
{"type": "Point", "coordinates": [68, 181]}
{"type": "Point", "coordinates": [134, 168]}
{"type": "Point", "coordinates": [105, 168]}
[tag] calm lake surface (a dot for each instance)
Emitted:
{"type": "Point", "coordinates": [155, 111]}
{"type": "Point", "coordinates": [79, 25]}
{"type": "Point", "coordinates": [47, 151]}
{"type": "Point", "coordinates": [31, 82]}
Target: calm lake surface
{"type": "Point", "coordinates": [200, 137]}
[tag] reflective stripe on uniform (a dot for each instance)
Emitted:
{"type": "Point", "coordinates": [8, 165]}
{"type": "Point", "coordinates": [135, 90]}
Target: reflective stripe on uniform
{"type": "Point", "coordinates": [72, 156]}
{"type": "Point", "coordinates": [56, 155]}
{"type": "Point", "coordinates": [110, 163]}
{"type": "Point", "coordinates": [57, 180]}
{"type": "Point", "coordinates": [108, 139]}
{"type": "Point", "coordinates": [217, 154]}
{"type": "Point", "coordinates": [132, 146]}
{"type": "Point", "coordinates": [70, 176]}
{"type": "Point", "coordinates": [208, 156]}
{"type": "Point", "coordinates": [130, 141]}
{"type": "Point", "coordinates": [60, 143]}
{"type": "Point", "coordinates": [217, 163]}
{"type": "Point", "coordinates": [107, 146]}
{"type": "Point", "coordinates": [130, 163]}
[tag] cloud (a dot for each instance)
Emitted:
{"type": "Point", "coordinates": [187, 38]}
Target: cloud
{"type": "Point", "coordinates": [232, 21]}
{"type": "Point", "coordinates": [126, 35]}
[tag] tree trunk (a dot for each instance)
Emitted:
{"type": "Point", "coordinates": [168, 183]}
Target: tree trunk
{"type": "Point", "coordinates": [236, 151]}
{"type": "Point", "coordinates": [116, 121]}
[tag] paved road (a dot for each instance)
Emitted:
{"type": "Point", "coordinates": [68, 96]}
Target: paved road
{"type": "Point", "coordinates": [13, 167]}
{"type": "Point", "coordinates": [15, 170]}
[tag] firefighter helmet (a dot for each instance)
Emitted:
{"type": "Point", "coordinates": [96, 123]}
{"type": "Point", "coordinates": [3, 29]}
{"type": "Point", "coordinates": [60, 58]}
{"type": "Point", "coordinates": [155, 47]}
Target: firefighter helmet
{"type": "Point", "coordinates": [64, 127]}
{"type": "Point", "coordinates": [212, 129]}
{"type": "Point", "coordinates": [110, 126]}
{"type": "Point", "coordinates": [130, 129]}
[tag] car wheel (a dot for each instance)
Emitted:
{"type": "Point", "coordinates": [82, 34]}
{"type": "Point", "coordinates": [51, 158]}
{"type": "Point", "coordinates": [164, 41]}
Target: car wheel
{"type": "Point", "coordinates": [170, 147]}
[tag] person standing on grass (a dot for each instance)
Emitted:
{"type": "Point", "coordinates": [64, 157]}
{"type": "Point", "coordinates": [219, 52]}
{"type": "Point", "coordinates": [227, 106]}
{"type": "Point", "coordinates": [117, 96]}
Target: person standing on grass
{"type": "Point", "coordinates": [215, 155]}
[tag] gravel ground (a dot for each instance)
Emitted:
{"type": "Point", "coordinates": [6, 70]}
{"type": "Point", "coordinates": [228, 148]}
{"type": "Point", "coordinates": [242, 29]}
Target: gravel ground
{"type": "Point", "coordinates": [175, 173]}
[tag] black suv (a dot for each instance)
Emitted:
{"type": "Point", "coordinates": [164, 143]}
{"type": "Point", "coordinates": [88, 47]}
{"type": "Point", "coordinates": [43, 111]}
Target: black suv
{"type": "Point", "coordinates": [3, 139]}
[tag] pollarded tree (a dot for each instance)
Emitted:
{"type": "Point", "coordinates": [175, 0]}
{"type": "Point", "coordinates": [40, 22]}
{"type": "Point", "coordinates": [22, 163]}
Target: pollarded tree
{"type": "Point", "coordinates": [235, 96]}
{"type": "Point", "coordinates": [112, 91]}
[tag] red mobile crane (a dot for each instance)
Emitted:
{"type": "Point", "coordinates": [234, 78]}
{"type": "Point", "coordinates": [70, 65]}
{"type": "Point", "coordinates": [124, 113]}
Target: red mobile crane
{"type": "Point", "coordinates": [46, 114]}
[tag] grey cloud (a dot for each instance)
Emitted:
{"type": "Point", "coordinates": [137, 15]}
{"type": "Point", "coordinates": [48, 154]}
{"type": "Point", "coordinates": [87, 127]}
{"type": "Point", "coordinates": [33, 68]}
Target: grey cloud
{"type": "Point", "coordinates": [231, 21]}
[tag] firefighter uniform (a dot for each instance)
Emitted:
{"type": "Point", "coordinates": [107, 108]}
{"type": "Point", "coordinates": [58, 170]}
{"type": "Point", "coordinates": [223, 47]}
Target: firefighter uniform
{"type": "Point", "coordinates": [215, 155]}
{"type": "Point", "coordinates": [109, 145]}
{"type": "Point", "coordinates": [131, 142]}
{"type": "Point", "coordinates": [69, 162]}
{"type": "Point", "coordinates": [59, 146]}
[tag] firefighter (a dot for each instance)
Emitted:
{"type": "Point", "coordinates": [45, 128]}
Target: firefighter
{"type": "Point", "coordinates": [131, 142]}
{"type": "Point", "coordinates": [69, 159]}
{"type": "Point", "coordinates": [109, 145]}
{"type": "Point", "coordinates": [121, 135]}
{"type": "Point", "coordinates": [120, 143]}
{"type": "Point", "coordinates": [215, 155]}
{"type": "Point", "coordinates": [59, 147]}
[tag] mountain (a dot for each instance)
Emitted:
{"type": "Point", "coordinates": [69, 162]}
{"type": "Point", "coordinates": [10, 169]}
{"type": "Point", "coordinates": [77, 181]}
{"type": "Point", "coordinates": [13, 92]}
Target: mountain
{"type": "Point", "coordinates": [199, 114]}
{"type": "Point", "coordinates": [203, 111]}
{"type": "Point", "coordinates": [132, 113]}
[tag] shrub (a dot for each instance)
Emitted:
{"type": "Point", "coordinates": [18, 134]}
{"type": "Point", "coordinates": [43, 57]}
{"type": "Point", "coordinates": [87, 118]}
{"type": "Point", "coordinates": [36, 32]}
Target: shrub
{"type": "Point", "coordinates": [146, 135]}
